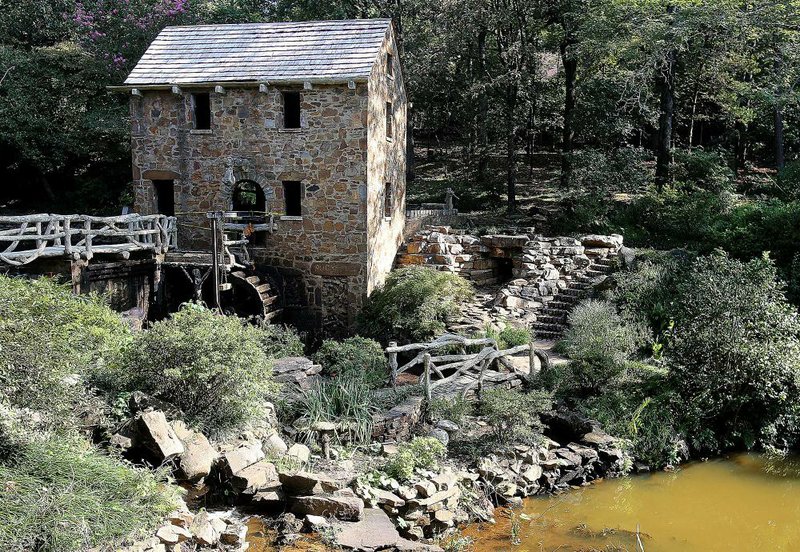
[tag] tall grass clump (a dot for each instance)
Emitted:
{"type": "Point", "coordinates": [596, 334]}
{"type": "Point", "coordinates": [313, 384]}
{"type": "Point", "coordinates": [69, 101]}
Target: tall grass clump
{"type": "Point", "coordinates": [354, 357]}
{"type": "Point", "coordinates": [48, 335]}
{"type": "Point", "coordinates": [413, 305]}
{"type": "Point", "coordinates": [62, 495]}
{"type": "Point", "coordinates": [212, 367]}
{"type": "Point", "coordinates": [345, 401]}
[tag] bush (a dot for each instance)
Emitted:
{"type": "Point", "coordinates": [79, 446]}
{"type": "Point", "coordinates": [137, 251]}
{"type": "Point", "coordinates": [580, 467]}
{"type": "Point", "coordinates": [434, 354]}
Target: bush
{"type": "Point", "coordinates": [62, 495]}
{"type": "Point", "coordinates": [453, 409]}
{"type": "Point", "coordinates": [212, 367]}
{"type": "Point", "coordinates": [600, 173]}
{"type": "Point", "coordinates": [354, 357]}
{"type": "Point", "coordinates": [345, 401]}
{"type": "Point", "coordinates": [421, 452]}
{"type": "Point", "coordinates": [706, 170]}
{"type": "Point", "coordinates": [509, 337]}
{"type": "Point", "coordinates": [413, 305]}
{"type": "Point", "coordinates": [789, 180]}
{"type": "Point", "coordinates": [514, 415]}
{"type": "Point", "coordinates": [599, 344]}
{"type": "Point", "coordinates": [735, 357]}
{"type": "Point", "coordinates": [279, 341]}
{"type": "Point", "coordinates": [47, 334]}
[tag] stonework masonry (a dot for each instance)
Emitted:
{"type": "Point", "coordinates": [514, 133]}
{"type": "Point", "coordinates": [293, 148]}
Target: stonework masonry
{"type": "Point", "coordinates": [327, 260]}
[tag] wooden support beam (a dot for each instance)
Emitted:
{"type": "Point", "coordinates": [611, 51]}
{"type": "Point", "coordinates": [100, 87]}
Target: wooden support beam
{"type": "Point", "coordinates": [177, 90]}
{"type": "Point", "coordinates": [263, 87]}
{"type": "Point", "coordinates": [351, 85]}
{"type": "Point", "coordinates": [219, 89]}
{"type": "Point", "coordinates": [307, 85]}
{"type": "Point", "coordinates": [136, 92]}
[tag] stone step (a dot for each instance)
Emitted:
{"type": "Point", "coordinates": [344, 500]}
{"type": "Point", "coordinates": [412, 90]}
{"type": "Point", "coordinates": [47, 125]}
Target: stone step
{"type": "Point", "coordinates": [548, 327]}
{"type": "Point", "coordinates": [263, 288]}
{"type": "Point", "coordinates": [544, 334]}
{"type": "Point", "coordinates": [551, 319]}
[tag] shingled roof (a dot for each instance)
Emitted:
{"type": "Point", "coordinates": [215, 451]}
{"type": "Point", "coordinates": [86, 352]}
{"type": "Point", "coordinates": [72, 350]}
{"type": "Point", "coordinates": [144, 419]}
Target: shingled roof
{"type": "Point", "coordinates": [262, 52]}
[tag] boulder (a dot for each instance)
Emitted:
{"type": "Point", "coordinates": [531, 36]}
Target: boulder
{"type": "Point", "coordinates": [268, 499]}
{"type": "Point", "coordinates": [236, 458]}
{"type": "Point", "coordinates": [299, 451]}
{"type": "Point", "coordinates": [345, 508]}
{"type": "Point", "coordinates": [315, 523]}
{"type": "Point", "coordinates": [274, 445]}
{"type": "Point", "coordinates": [203, 530]}
{"type": "Point", "coordinates": [199, 455]}
{"type": "Point", "coordinates": [448, 426]}
{"type": "Point", "coordinates": [172, 534]}
{"type": "Point", "coordinates": [440, 435]}
{"type": "Point", "coordinates": [256, 477]}
{"type": "Point", "coordinates": [139, 402]}
{"type": "Point", "coordinates": [306, 483]}
{"type": "Point", "coordinates": [613, 241]}
{"type": "Point", "coordinates": [156, 435]}
{"type": "Point", "coordinates": [388, 498]}
{"type": "Point", "coordinates": [376, 532]}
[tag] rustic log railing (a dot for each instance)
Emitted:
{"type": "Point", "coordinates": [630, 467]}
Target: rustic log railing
{"type": "Point", "coordinates": [23, 239]}
{"type": "Point", "coordinates": [471, 365]}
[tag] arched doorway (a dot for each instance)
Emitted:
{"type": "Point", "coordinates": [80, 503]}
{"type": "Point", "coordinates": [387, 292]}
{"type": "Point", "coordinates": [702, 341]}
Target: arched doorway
{"type": "Point", "coordinates": [248, 196]}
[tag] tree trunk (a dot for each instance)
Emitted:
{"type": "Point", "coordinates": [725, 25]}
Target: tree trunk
{"type": "Point", "coordinates": [511, 152]}
{"type": "Point", "coordinates": [568, 132]}
{"type": "Point", "coordinates": [692, 120]}
{"type": "Point", "coordinates": [483, 111]}
{"type": "Point", "coordinates": [666, 114]}
{"type": "Point", "coordinates": [780, 152]}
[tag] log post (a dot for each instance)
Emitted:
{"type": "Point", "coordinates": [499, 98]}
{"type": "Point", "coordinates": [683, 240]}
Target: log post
{"type": "Point", "coordinates": [88, 254]}
{"type": "Point", "coordinates": [426, 381]}
{"type": "Point", "coordinates": [67, 237]}
{"type": "Point", "coordinates": [531, 357]}
{"type": "Point", "coordinates": [393, 364]}
{"type": "Point", "coordinates": [484, 365]}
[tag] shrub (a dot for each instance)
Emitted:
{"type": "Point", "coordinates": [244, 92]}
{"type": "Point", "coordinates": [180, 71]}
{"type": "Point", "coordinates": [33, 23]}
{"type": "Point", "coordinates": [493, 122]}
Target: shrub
{"type": "Point", "coordinates": [707, 170]}
{"type": "Point", "coordinates": [599, 343]}
{"type": "Point", "coordinates": [413, 305]}
{"type": "Point", "coordinates": [279, 341]}
{"type": "Point", "coordinates": [453, 409]}
{"type": "Point", "coordinates": [514, 415]}
{"type": "Point", "coordinates": [600, 173]}
{"type": "Point", "coordinates": [421, 452]}
{"type": "Point", "coordinates": [354, 357]}
{"type": "Point", "coordinates": [345, 401]}
{"type": "Point", "coordinates": [735, 357]}
{"type": "Point", "coordinates": [509, 337]}
{"type": "Point", "coordinates": [212, 367]}
{"type": "Point", "coordinates": [62, 495]}
{"type": "Point", "coordinates": [47, 334]}
{"type": "Point", "coordinates": [789, 179]}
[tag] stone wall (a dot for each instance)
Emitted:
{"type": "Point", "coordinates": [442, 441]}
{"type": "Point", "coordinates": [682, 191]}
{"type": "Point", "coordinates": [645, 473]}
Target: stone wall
{"type": "Point", "coordinates": [326, 261]}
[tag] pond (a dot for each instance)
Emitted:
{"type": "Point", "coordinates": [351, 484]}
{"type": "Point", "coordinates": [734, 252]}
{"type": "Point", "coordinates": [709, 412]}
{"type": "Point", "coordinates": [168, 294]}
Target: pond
{"type": "Point", "coordinates": [742, 502]}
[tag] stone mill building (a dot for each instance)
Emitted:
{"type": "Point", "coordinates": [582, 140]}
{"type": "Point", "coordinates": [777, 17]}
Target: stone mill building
{"type": "Point", "coordinates": [306, 120]}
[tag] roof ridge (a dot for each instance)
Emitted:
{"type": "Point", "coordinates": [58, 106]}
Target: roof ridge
{"type": "Point", "coordinates": [281, 23]}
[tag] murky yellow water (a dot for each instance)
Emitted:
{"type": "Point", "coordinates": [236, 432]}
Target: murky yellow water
{"type": "Point", "coordinates": [743, 503]}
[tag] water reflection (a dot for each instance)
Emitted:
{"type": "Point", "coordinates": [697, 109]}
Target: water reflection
{"type": "Point", "coordinates": [746, 502]}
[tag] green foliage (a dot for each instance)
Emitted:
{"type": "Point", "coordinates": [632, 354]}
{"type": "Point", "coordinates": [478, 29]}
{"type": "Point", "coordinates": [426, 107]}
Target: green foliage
{"type": "Point", "coordinates": [735, 357]}
{"type": "Point", "coordinates": [420, 452]}
{"type": "Point", "coordinates": [514, 415]}
{"type": "Point", "coordinates": [61, 495]}
{"type": "Point", "coordinates": [413, 305]}
{"type": "Point", "coordinates": [47, 334]}
{"type": "Point", "coordinates": [707, 170]}
{"type": "Point", "coordinates": [278, 341]}
{"type": "Point", "coordinates": [344, 400]}
{"type": "Point", "coordinates": [789, 180]}
{"type": "Point", "coordinates": [453, 409]}
{"type": "Point", "coordinates": [509, 337]}
{"type": "Point", "coordinates": [597, 173]}
{"type": "Point", "coordinates": [210, 366]}
{"type": "Point", "coordinates": [354, 357]}
{"type": "Point", "coordinates": [599, 344]}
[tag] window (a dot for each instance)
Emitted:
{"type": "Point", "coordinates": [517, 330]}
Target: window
{"type": "Point", "coordinates": [387, 200]}
{"type": "Point", "coordinates": [291, 109]}
{"type": "Point", "coordinates": [389, 65]}
{"type": "Point", "coordinates": [201, 111]}
{"type": "Point", "coordinates": [292, 195]}
{"type": "Point", "coordinates": [389, 116]}
{"type": "Point", "coordinates": [248, 196]}
{"type": "Point", "coordinates": [165, 197]}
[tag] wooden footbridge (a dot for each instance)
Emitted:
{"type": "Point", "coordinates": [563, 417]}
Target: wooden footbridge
{"type": "Point", "coordinates": [137, 248]}
{"type": "Point", "coordinates": [24, 239]}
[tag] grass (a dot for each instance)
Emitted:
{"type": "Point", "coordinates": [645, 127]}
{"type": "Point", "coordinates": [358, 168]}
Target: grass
{"type": "Point", "coordinates": [61, 495]}
{"type": "Point", "coordinates": [346, 401]}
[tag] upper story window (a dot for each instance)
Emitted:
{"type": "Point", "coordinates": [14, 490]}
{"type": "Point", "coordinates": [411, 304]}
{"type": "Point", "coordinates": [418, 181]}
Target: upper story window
{"type": "Point", "coordinates": [291, 109]}
{"type": "Point", "coordinates": [292, 196]}
{"type": "Point", "coordinates": [389, 65]}
{"type": "Point", "coordinates": [389, 119]}
{"type": "Point", "coordinates": [201, 111]}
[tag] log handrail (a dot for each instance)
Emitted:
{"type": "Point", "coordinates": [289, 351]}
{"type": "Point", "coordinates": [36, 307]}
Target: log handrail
{"type": "Point", "coordinates": [25, 238]}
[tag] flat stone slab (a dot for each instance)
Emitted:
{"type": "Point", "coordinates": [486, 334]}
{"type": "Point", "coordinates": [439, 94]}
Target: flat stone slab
{"type": "Point", "coordinates": [375, 532]}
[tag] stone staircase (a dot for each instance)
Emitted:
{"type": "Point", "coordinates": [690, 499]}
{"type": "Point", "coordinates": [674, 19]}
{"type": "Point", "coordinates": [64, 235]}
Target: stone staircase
{"type": "Point", "coordinates": [257, 294]}
{"type": "Point", "coordinates": [551, 320]}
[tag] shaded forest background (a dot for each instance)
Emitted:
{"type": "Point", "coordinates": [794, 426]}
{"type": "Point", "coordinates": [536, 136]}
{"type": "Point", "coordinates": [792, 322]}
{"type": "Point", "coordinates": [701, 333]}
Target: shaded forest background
{"type": "Point", "coordinates": [613, 96]}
